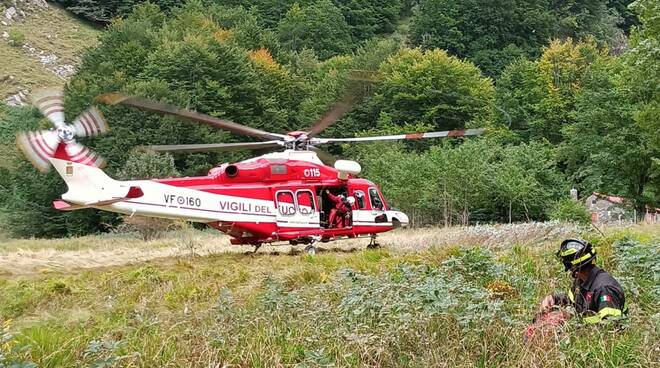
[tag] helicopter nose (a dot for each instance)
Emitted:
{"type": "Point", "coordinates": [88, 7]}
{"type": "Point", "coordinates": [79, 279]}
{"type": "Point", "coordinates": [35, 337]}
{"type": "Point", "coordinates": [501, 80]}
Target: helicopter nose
{"type": "Point", "coordinates": [399, 219]}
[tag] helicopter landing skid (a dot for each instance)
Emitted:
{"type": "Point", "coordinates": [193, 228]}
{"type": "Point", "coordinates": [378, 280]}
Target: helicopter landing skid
{"type": "Point", "coordinates": [253, 252]}
{"type": "Point", "coordinates": [311, 248]}
{"type": "Point", "coordinates": [373, 243]}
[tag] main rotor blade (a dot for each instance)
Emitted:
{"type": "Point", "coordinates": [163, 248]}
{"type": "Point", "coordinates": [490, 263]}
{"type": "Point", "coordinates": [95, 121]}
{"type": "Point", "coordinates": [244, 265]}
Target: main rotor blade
{"type": "Point", "coordinates": [443, 134]}
{"type": "Point", "coordinates": [324, 156]}
{"type": "Point", "coordinates": [347, 101]}
{"type": "Point", "coordinates": [338, 111]}
{"type": "Point", "coordinates": [165, 109]}
{"type": "Point", "coordinates": [215, 147]}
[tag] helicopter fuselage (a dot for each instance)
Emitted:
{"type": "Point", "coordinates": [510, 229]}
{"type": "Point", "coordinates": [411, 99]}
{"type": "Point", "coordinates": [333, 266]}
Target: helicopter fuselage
{"type": "Point", "coordinates": [283, 196]}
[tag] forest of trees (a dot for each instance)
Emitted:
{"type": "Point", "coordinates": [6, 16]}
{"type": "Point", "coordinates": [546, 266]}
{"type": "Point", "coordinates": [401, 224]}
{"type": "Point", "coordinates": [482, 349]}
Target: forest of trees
{"type": "Point", "coordinates": [569, 92]}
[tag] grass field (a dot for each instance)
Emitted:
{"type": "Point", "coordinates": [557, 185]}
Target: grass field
{"type": "Point", "coordinates": [428, 298]}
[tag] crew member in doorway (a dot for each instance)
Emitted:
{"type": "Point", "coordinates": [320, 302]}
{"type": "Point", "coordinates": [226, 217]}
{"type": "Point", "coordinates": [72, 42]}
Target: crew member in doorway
{"type": "Point", "coordinates": [341, 210]}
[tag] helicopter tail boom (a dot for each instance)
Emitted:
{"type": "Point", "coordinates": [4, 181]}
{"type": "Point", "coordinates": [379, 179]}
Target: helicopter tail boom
{"type": "Point", "coordinates": [89, 186]}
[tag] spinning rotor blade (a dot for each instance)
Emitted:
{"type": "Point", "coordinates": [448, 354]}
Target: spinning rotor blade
{"type": "Point", "coordinates": [324, 156]}
{"type": "Point", "coordinates": [90, 123]}
{"type": "Point", "coordinates": [51, 104]}
{"type": "Point", "coordinates": [81, 154]}
{"type": "Point", "coordinates": [216, 147]}
{"type": "Point", "coordinates": [337, 112]}
{"type": "Point", "coordinates": [38, 147]}
{"type": "Point", "coordinates": [165, 109]}
{"type": "Point", "coordinates": [443, 134]}
{"type": "Point", "coordinates": [347, 102]}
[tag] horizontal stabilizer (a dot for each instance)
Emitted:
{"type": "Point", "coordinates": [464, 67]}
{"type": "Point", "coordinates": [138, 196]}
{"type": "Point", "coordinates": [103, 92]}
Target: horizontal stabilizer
{"type": "Point", "coordinates": [62, 205]}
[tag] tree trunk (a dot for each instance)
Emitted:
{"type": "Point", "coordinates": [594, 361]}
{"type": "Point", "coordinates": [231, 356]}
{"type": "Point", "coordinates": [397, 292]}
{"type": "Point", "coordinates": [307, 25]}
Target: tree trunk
{"type": "Point", "coordinates": [526, 211]}
{"type": "Point", "coordinates": [466, 212]}
{"type": "Point", "coordinates": [510, 203]}
{"type": "Point", "coordinates": [445, 207]}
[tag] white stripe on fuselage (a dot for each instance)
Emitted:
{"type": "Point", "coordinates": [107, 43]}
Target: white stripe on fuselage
{"type": "Point", "coordinates": [162, 200]}
{"type": "Point", "coordinates": [88, 184]}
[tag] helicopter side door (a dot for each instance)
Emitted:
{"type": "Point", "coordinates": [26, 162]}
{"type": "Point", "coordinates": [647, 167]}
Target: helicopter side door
{"type": "Point", "coordinates": [296, 208]}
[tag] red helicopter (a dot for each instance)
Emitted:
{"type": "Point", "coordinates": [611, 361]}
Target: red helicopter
{"type": "Point", "coordinates": [300, 195]}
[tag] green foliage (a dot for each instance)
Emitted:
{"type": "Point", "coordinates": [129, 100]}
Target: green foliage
{"type": "Point", "coordinates": [242, 27]}
{"type": "Point", "coordinates": [479, 180]}
{"type": "Point", "coordinates": [586, 18]}
{"type": "Point", "coordinates": [494, 33]}
{"type": "Point", "coordinates": [490, 33]}
{"type": "Point", "coordinates": [16, 38]}
{"type": "Point", "coordinates": [319, 26]}
{"type": "Point", "coordinates": [567, 209]}
{"type": "Point", "coordinates": [105, 11]}
{"type": "Point", "coordinates": [600, 107]}
{"type": "Point", "coordinates": [102, 353]}
{"type": "Point", "coordinates": [369, 18]}
{"type": "Point", "coordinates": [190, 60]}
{"type": "Point", "coordinates": [270, 12]}
{"type": "Point", "coordinates": [629, 18]}
{"type": "Point", "coordinates": [639, 262]}
{"type": "Point", "coordinates": [148, 165]}
{"type": "Point", "coordinates": [431, 88]}
{"type": "Point", "coordinates": [279, 66]}
{"type": "Point", "coordinates": [639, 81]}
{"type": "Point", "coordinates": [605, 149]}
{"type": "Point", "coordinates": [539, 96]}
{"type": "Point", "coordinates": [8, 347]}
{"type": "Point", "coordinates": [526, 179]}
{"type": "Point", "coordinates": [389, 308]}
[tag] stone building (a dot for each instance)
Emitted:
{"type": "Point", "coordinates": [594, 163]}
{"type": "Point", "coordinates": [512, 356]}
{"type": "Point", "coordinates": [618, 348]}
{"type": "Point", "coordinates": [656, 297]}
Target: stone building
{"type": "Point", "coordinates": [613, 209]}
{"type": "Point", "coordinates": [607, 209]}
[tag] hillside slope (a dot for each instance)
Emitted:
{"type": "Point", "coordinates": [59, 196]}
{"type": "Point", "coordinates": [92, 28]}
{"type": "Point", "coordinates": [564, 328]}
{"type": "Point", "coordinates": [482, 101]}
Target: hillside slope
{"type": "Point", "coordinates": [40, 45]}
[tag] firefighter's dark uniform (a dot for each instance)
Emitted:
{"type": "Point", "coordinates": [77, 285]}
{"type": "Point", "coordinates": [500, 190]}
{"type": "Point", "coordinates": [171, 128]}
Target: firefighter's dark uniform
{"type": "Point", "coordinates": [599, 297]}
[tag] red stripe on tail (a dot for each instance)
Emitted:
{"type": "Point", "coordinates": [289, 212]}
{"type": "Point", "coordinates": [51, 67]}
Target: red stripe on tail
{"type": "Point", "coordinates": [456, 133]}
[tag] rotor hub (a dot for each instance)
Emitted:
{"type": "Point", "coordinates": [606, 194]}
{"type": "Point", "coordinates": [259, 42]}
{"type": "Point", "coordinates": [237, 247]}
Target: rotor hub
{"type": "Point", "coordinates": [66, 133]}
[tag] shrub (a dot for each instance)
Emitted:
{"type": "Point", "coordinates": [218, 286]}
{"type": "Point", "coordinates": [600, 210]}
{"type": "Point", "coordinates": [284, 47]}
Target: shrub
{"type": "Point", "coordinates": [639, 263]}
{"type": "Point", "coordinates": [16, 38]}
{"type": "Point", "coordinates": [570, 210]}
{"type": "Point", "coordinates": [149, 228]}
{"type": "Point", "coordinates": [9, 345]}
{"type": "Point", "coordinates": [147, 165]}
{"type": "Point", "coordinates": [59, 287]}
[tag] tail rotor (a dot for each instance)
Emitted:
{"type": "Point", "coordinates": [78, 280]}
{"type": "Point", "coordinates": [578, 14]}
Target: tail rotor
{"type": "Point", "coordinates": [60, 142]}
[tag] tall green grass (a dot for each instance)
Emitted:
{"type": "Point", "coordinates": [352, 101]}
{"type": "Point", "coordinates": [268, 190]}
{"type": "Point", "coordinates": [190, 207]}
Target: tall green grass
{"type": "Point", "coordinates": [441, 307]}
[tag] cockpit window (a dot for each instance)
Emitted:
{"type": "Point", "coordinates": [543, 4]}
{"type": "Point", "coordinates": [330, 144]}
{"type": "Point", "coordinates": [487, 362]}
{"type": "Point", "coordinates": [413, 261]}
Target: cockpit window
{"type": "Point", "coordinates": [376, 201]}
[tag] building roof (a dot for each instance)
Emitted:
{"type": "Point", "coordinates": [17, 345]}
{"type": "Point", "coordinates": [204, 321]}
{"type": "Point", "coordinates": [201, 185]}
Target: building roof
{"type": "Point", "coordinates": [610, 198]}
{"type": "Point", "coordinates": [619, 200]}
